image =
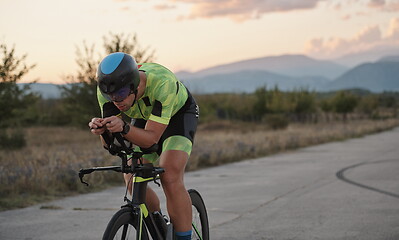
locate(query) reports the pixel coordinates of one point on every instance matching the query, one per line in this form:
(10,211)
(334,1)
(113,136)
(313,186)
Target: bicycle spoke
(198,233)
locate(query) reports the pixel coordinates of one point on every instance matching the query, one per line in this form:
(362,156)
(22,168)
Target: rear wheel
(200,226)
(122,226)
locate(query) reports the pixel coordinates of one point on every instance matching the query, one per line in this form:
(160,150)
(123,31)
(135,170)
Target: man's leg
(177,198)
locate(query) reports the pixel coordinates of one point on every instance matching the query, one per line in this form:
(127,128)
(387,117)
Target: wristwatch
(126,128)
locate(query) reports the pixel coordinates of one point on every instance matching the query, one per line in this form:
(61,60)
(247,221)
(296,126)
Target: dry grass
(225,142)
(48,167)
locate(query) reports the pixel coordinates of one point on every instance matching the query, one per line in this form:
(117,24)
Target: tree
(80,95)
(13,99)
(15,102)
(344,102)
(369,105)
(277,101)
(128,44)
(260,105)
(304,103)
(12,68)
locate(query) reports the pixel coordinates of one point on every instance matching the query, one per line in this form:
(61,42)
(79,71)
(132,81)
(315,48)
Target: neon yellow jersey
(163,97)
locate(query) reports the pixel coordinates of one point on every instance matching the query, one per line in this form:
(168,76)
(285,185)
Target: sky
(192,35)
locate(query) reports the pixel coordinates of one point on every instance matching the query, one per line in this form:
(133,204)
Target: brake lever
(82,173)
(81,179)
(156,182)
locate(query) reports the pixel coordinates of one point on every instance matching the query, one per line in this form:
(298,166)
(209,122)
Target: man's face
(122,98)
(126,103)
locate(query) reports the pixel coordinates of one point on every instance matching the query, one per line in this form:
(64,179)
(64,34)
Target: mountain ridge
(288,64)
(378,77)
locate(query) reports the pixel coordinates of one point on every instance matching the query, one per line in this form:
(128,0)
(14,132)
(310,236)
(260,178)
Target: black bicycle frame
(143,173)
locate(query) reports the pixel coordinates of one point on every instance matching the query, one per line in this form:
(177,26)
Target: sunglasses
(119,95)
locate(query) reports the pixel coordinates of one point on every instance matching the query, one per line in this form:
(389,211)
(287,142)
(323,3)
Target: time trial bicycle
(133,220)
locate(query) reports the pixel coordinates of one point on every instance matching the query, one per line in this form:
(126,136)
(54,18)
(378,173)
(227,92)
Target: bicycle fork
(140,213)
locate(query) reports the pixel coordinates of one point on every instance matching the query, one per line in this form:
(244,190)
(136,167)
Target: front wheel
(200,226)
(122,226)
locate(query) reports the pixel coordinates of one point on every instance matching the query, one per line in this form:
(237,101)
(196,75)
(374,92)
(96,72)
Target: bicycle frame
(140,182)
(143,174)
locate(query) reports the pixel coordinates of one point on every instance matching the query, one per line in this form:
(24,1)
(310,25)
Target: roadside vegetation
(44,142)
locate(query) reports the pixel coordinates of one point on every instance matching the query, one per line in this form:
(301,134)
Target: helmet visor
(119,95)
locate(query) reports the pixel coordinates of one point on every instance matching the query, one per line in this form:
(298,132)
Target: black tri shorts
(179,135)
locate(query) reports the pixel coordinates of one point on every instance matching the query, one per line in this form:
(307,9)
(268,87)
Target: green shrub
(276,121)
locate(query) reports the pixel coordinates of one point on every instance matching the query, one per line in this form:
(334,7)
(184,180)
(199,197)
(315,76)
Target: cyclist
(163,112)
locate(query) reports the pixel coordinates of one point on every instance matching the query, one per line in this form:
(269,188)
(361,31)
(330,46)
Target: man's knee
(170,180)
(174,162)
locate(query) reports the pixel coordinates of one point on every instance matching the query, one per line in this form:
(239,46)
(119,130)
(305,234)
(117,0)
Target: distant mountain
(248,81)
(46,90)
(372,55)
(295,71)
(289,65)
(389,59)
(376,77)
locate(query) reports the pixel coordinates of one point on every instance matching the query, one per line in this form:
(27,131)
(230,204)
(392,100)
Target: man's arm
(144,138)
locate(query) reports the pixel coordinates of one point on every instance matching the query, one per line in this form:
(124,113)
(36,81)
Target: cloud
(385,5)
(393,6)
(393,29)
(241,10)
(164,7)
(376,3)
(366,39)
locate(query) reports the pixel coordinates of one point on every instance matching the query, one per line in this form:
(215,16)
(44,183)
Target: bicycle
(133,220)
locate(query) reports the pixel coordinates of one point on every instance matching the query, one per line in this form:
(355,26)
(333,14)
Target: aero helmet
(118,76)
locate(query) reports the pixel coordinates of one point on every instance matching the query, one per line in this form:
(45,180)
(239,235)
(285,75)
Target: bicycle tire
(123,223)
(200,225)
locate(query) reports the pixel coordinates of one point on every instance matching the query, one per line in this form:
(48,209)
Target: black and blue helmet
(116,72)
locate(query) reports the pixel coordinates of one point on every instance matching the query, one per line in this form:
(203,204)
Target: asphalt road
(341,190)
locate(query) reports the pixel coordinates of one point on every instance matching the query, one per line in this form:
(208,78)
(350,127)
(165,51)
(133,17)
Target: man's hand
(96,126)
(114,124)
